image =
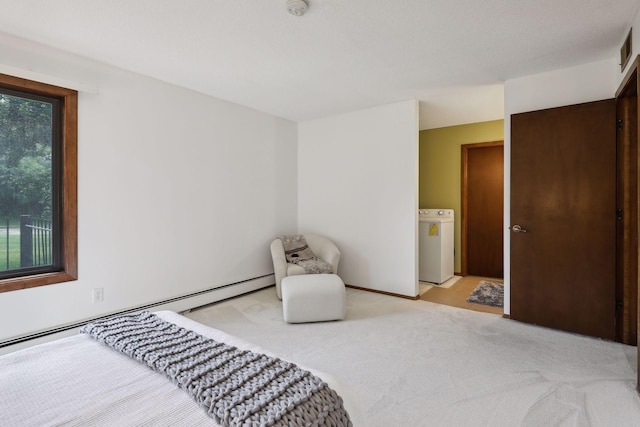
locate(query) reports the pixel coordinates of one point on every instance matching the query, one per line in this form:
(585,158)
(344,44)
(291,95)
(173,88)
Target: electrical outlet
(98,295)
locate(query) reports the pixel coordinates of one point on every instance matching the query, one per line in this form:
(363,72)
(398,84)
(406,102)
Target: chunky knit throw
(234,387)
(297,251)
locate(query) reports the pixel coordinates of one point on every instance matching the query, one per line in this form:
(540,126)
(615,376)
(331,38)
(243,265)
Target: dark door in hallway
(483,202)
(563,199)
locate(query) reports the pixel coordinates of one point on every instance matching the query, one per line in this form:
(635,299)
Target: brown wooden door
(627,220)
(563,194)
(627,206)
(482,205)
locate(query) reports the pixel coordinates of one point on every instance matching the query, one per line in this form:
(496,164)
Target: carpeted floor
(416,363)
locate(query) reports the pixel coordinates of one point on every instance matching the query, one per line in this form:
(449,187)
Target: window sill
(44,279)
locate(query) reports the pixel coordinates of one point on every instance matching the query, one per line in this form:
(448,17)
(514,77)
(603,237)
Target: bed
(80,381)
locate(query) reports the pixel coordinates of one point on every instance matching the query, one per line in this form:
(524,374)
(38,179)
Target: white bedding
(78,381)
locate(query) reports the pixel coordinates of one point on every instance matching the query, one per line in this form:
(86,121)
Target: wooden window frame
(69,122)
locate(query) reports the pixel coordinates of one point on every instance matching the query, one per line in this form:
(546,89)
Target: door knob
(517,229)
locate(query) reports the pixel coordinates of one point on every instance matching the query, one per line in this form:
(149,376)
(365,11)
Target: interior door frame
(464,155)
(627,273)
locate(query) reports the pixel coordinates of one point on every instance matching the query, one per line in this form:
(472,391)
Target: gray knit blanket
(297,251)
(234,387)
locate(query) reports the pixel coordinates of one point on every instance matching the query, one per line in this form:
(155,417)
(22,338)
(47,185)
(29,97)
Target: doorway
(440,186)
(482,197)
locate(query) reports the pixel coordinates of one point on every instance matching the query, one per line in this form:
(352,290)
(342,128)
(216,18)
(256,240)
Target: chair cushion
(294,269)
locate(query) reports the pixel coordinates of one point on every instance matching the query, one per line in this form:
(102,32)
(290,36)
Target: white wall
(178,192)
(585,83)
(456,105)
(358,185)
(575,85)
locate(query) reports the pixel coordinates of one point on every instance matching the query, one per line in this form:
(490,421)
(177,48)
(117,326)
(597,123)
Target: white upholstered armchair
(322,247)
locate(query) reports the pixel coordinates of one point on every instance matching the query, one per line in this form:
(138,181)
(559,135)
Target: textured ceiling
(343,55)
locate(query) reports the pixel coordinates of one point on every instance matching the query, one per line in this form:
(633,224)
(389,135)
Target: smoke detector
(297,7)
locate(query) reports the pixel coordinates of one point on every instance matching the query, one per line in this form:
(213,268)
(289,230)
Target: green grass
(14,250)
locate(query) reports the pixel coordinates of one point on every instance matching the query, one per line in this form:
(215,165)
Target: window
(38,175)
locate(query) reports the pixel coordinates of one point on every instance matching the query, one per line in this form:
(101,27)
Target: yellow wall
(440,167)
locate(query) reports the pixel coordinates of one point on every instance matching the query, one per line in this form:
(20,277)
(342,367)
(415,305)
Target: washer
(435,245)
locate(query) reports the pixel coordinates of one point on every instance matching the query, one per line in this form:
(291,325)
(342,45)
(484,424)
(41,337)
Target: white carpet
(416,363)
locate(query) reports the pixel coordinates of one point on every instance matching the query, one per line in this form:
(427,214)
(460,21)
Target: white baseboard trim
(178,304)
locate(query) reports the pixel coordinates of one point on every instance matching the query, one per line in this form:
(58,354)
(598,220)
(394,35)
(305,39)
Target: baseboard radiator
(178,304)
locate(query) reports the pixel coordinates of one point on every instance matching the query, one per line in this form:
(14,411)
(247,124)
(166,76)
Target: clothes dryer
(435,245)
